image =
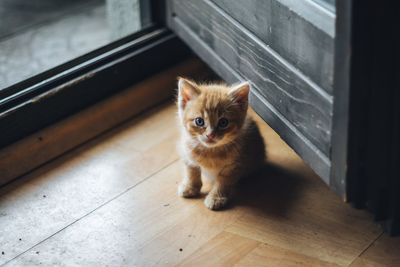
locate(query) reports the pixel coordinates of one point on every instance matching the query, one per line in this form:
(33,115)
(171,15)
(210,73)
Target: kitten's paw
(215,202)
(188,191)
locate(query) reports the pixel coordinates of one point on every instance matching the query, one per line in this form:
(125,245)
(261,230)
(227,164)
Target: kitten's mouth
(208,142)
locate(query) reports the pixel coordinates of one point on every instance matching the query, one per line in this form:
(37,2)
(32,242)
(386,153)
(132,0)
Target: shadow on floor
(272,191)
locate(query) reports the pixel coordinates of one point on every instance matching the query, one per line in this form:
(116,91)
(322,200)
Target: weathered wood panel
(299,31)
(298,99)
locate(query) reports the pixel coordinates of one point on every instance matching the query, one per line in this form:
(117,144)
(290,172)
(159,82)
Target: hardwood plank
(267,255)
(297,215)
(225,249)
(307,235)
(113,202)
(292,209)
(383,252)
(148,225)
(287,206)
(59,193)
(293,94)
(105,206)
(25,155)
(299,31)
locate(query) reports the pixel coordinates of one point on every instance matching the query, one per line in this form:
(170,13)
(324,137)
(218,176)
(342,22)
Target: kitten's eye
(223,123)
(199,122)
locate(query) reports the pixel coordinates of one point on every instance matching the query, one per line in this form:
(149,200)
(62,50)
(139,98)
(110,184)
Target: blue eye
(223,123)
(199,121)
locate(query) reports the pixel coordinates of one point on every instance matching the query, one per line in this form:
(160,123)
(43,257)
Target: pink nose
(210,136)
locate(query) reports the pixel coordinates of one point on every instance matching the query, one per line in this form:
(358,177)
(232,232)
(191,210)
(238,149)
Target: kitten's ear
(240,93)
(188,90)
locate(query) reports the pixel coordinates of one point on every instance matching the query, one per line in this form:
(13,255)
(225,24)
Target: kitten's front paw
(185,190)
(214,202)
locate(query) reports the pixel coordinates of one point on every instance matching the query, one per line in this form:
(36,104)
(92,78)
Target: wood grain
(271,256)
(149,225)
(298,31)
(383,252)
(225,249)
(50,198)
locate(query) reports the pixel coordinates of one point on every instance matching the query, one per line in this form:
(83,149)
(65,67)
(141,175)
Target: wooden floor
(113,202)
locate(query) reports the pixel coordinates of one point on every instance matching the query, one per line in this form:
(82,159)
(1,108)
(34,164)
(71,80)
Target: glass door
(57,57)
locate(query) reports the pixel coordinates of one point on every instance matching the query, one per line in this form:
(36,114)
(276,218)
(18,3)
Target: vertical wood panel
(299,31)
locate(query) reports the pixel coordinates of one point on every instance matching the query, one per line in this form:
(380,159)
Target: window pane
(37,35)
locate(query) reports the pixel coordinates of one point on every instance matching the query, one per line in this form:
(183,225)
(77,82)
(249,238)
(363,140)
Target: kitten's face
(212,114)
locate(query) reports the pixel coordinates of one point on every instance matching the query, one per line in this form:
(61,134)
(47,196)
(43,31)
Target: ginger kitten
(218,139)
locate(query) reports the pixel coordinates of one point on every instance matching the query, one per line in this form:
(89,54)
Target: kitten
(218,139)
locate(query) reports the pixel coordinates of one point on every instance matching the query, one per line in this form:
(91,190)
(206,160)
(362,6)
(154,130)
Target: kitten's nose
(210,136)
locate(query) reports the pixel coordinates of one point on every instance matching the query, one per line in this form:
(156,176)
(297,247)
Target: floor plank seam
(364,250)
(279,246)
(248,253)
(223,230)
(87,214)
(196,250)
